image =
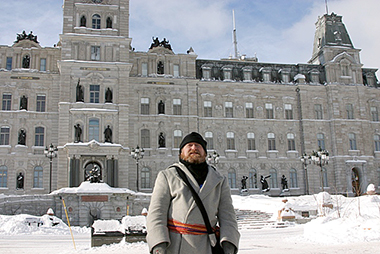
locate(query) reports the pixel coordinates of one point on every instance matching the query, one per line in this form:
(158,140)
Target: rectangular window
(230,141)
(269,110)
(7,100)
(145,138)
(293,179)
(145,178)
(229,109)
(377,143)
(207,108)
(352,138)
(9,63)
(249,110)
(43,64)
(38,177)
(4,136)
(350,111)
(177,107)
(177,138)
(176,70)
(374,114)
(252,179)
(145,106)
(93,130)
(318,111)
(94,93)
(232,179)
(288,112)
(321,140)
(251,145)
(144,69)
(39,136)
(206,73)
(3,176)
(210,140)
(40,104)
(95,53)
(271,142)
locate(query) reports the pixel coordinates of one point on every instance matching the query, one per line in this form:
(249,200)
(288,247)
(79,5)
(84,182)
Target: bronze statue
(79,92)
(78,133)
(108,135)
(24,102)
(22,137)
(161,140)
(161,107)
(20,181)
(108,95)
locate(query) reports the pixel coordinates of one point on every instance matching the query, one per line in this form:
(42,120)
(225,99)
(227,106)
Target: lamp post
(321,158)
(137,154)
(306,159)
(51,152)
(213,158)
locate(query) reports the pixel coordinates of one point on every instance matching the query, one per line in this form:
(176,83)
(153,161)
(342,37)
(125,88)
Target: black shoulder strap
(197,199)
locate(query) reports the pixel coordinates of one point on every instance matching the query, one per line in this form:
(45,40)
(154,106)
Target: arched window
(93,129)
(232,178)
(210,140)
(230,141)
(145,138)
(145,178)
(177,138)
(252,179)
(109,22)
(38,177)
(273,178)
(3,176)
(83,21)
(293,178)
(96,21)
(39,136)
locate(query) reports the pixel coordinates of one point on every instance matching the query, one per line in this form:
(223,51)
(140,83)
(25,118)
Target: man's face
(193,153)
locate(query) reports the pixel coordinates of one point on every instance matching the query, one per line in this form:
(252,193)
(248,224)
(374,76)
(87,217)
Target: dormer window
(206,72)
(96,21)
(227,73)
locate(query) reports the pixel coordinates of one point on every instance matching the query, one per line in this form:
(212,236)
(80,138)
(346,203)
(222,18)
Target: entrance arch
(355,180)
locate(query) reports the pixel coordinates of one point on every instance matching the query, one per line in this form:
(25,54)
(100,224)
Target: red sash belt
(188,229)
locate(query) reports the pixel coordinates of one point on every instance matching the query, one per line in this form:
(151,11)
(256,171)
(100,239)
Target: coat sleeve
(157,230)
(227,217)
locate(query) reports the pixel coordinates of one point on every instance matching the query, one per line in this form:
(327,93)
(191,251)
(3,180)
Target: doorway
(355,179)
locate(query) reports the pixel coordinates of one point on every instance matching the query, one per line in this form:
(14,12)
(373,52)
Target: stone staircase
(251,219)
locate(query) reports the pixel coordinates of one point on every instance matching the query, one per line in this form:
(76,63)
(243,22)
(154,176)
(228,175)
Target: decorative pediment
(343,56)
(161,51)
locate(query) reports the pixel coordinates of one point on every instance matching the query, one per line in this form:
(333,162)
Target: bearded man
(174,223)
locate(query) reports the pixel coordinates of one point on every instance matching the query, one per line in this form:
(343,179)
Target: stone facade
(259,117)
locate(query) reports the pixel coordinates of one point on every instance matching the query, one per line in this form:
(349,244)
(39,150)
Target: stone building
(96,98)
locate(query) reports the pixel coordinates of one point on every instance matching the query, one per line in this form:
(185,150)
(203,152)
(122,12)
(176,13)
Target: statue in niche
(160,67)
(22,137)
(24,102)
(244,182)
(26,62)
(161,107)
(108,95)
(20,181)
(108,134)
(79,92)
(78,133)
(161,140)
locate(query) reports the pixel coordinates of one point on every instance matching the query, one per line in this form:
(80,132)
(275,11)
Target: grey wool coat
(172,199)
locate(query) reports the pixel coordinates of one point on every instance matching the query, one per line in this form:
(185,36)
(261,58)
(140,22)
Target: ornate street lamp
(137,154)
(321,158)
(306,159)
(213,158)
(51,152)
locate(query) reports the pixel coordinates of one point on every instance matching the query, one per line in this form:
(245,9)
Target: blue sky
(277,31)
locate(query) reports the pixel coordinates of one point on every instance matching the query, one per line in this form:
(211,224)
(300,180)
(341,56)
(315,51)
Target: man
(173,214)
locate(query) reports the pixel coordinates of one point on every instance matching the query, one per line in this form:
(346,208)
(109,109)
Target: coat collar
(213,178)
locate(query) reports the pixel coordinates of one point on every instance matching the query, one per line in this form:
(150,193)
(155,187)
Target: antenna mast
(327,8)
(234,34)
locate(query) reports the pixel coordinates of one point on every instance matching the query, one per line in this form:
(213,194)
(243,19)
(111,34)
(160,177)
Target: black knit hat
(193,137)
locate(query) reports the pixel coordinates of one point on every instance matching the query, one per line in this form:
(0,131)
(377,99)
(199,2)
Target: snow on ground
(352,225)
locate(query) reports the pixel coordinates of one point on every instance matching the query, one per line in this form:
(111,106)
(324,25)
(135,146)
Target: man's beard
(194,158)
